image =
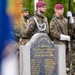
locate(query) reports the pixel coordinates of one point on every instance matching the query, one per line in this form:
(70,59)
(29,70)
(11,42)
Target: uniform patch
(31,26)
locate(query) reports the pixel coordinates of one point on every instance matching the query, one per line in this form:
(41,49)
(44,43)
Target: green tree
(50,6)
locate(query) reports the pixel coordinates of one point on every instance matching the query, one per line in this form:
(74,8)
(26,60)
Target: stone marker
(40,57)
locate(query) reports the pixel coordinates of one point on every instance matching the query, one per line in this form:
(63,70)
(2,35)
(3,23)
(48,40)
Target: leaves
(50,6)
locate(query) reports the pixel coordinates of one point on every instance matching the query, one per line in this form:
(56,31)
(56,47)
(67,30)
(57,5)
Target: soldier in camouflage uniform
(58,26)
(25,14)
(72,28)
(20,31)
(20,27)
(72,33)
(38,23)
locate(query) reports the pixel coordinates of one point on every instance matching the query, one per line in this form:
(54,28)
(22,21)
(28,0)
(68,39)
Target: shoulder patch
(31,26)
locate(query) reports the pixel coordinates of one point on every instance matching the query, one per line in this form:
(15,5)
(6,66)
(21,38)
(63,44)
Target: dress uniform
(58,26)
(72,33)
(20,28)
(25,14)
(38,23)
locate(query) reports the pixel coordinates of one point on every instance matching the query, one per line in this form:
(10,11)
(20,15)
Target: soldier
(58,25)
(25,14)
(38,23)
(72,33)
(20,27)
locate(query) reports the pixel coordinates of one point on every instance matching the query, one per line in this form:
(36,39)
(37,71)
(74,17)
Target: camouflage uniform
(20,28)
(72,30)
(72,33)
(41,19)
(55,30)
(26,20)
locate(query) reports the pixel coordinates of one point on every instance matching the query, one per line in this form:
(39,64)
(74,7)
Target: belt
(21,39)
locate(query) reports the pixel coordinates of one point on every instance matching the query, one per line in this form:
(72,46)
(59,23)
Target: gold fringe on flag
(13,7)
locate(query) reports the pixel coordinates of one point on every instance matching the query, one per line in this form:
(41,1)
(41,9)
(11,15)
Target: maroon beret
(59,6)
(40,3)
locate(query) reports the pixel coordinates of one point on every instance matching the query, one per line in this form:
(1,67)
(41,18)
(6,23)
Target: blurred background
(50,6)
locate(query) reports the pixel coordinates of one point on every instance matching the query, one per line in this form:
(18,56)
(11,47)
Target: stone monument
(41,57)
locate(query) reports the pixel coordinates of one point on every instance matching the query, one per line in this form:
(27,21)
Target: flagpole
(68,10)
(35,1)
(67,45)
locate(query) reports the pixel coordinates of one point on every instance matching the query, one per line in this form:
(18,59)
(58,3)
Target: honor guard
(59,28)
(58,25)
(38,23)
(25,14)
(72,33)
(20,27)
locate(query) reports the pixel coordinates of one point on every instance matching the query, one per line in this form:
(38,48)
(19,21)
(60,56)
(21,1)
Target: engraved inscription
(35,65)
(49,66)
(43,58)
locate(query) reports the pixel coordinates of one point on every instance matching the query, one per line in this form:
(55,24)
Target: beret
(40,3)
(59,6)
(24,9)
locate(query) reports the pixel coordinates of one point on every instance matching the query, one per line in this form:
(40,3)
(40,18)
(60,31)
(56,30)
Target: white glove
(71,20)
(64,37)
(69,14)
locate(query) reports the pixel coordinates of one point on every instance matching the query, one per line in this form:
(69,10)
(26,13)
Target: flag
(5,30)
(13,7)
(5,26)
(8,9)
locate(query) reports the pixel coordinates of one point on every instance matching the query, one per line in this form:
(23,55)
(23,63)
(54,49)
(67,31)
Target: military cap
(24,9)
(40,3)
(73,13)
(59,6)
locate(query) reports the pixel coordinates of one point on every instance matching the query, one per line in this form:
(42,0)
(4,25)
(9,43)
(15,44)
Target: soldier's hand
(69,14)
(64,37)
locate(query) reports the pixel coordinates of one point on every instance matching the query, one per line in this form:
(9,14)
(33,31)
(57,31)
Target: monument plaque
(41,57)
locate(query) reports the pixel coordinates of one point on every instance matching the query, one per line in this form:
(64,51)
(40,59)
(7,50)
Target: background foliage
(50,6)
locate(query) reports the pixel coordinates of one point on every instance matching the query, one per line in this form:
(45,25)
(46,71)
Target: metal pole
(69,44)
(35,1)
(68,17)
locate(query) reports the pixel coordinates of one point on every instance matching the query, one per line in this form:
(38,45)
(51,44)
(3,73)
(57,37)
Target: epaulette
(53,19)
(32,17)
(41,27)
